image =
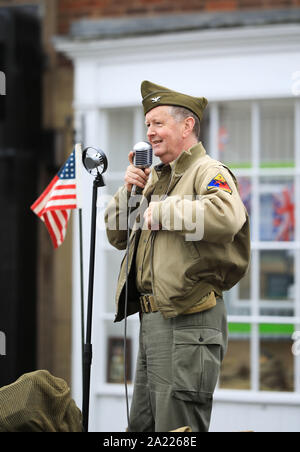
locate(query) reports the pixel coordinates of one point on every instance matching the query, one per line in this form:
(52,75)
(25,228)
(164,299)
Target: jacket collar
(187,159)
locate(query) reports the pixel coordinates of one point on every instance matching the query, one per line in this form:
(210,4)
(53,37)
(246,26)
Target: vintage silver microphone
(94,161)
(143,157)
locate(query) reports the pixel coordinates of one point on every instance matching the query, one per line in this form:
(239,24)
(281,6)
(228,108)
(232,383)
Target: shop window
(276,276)
(277,133)
(277,209)
(276,364)
(234,140)
(236,367)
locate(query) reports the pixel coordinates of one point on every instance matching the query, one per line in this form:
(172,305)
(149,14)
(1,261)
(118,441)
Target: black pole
(88,352)
(81,290)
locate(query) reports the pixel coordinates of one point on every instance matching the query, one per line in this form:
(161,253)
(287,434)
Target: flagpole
(78,151)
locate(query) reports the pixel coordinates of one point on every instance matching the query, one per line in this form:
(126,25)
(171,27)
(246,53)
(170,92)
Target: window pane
(276,358)
(238,299)
(120,138)
(245,287)
(277,209)
(235,303)
(115,351)
(277,282)
(277,133)
(115,364)
(245,189)
(235,134)
(204,130)
(235,372)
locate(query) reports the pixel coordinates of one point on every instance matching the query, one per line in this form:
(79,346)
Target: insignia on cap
(155,99)
(219,182)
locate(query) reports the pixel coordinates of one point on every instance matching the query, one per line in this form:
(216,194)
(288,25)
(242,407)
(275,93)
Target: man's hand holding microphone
(137,175)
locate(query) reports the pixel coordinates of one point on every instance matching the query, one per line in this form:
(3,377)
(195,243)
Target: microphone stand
(88,353)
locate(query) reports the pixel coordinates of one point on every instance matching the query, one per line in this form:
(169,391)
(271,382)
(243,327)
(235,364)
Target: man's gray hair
(181,113)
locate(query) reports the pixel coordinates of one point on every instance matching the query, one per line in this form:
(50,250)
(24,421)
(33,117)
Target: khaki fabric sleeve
(224,211)
(181,214)
(116,219)
(216,215)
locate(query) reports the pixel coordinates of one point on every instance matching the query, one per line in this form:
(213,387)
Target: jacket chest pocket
(197,361)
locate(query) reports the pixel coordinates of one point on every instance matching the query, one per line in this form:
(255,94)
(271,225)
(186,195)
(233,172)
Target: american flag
(54,205)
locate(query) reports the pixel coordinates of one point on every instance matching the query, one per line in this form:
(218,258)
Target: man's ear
(188,126)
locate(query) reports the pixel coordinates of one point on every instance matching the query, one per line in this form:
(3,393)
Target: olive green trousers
(177,370)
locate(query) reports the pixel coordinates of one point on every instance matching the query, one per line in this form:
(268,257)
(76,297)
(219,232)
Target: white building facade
(251,77)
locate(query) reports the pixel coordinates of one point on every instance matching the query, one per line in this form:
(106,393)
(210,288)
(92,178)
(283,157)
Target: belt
(148,304)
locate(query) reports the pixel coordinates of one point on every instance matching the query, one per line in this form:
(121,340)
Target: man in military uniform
(193,245)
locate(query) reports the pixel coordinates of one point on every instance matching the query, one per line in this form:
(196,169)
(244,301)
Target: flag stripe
(63,217)
(55,227)
(39,209)
(67,213)
(39,205)
(53,206)
(61,223)
(65,187)
(58,224)
(45,193)
(46,217)
(58,198)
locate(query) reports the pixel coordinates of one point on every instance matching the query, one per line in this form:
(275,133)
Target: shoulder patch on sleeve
(219,182)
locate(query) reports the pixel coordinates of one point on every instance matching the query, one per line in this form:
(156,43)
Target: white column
(255,265)
(214,131)
(297,237)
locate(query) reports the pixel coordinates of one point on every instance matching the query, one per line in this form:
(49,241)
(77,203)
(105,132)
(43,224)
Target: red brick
(221,5)
(264,4)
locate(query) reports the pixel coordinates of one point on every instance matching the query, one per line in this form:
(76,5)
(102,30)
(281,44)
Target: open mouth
(156,142)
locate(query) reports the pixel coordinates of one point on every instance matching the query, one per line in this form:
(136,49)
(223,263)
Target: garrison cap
(155,95)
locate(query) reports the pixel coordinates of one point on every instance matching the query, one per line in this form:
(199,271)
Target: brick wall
(71,10)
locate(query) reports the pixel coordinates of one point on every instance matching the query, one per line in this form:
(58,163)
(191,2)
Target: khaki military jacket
(203,243)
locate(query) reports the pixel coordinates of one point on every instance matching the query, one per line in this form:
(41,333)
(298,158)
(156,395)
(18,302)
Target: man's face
(164,134)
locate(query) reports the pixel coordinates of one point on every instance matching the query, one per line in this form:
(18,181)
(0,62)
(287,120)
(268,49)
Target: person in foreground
(189,243)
